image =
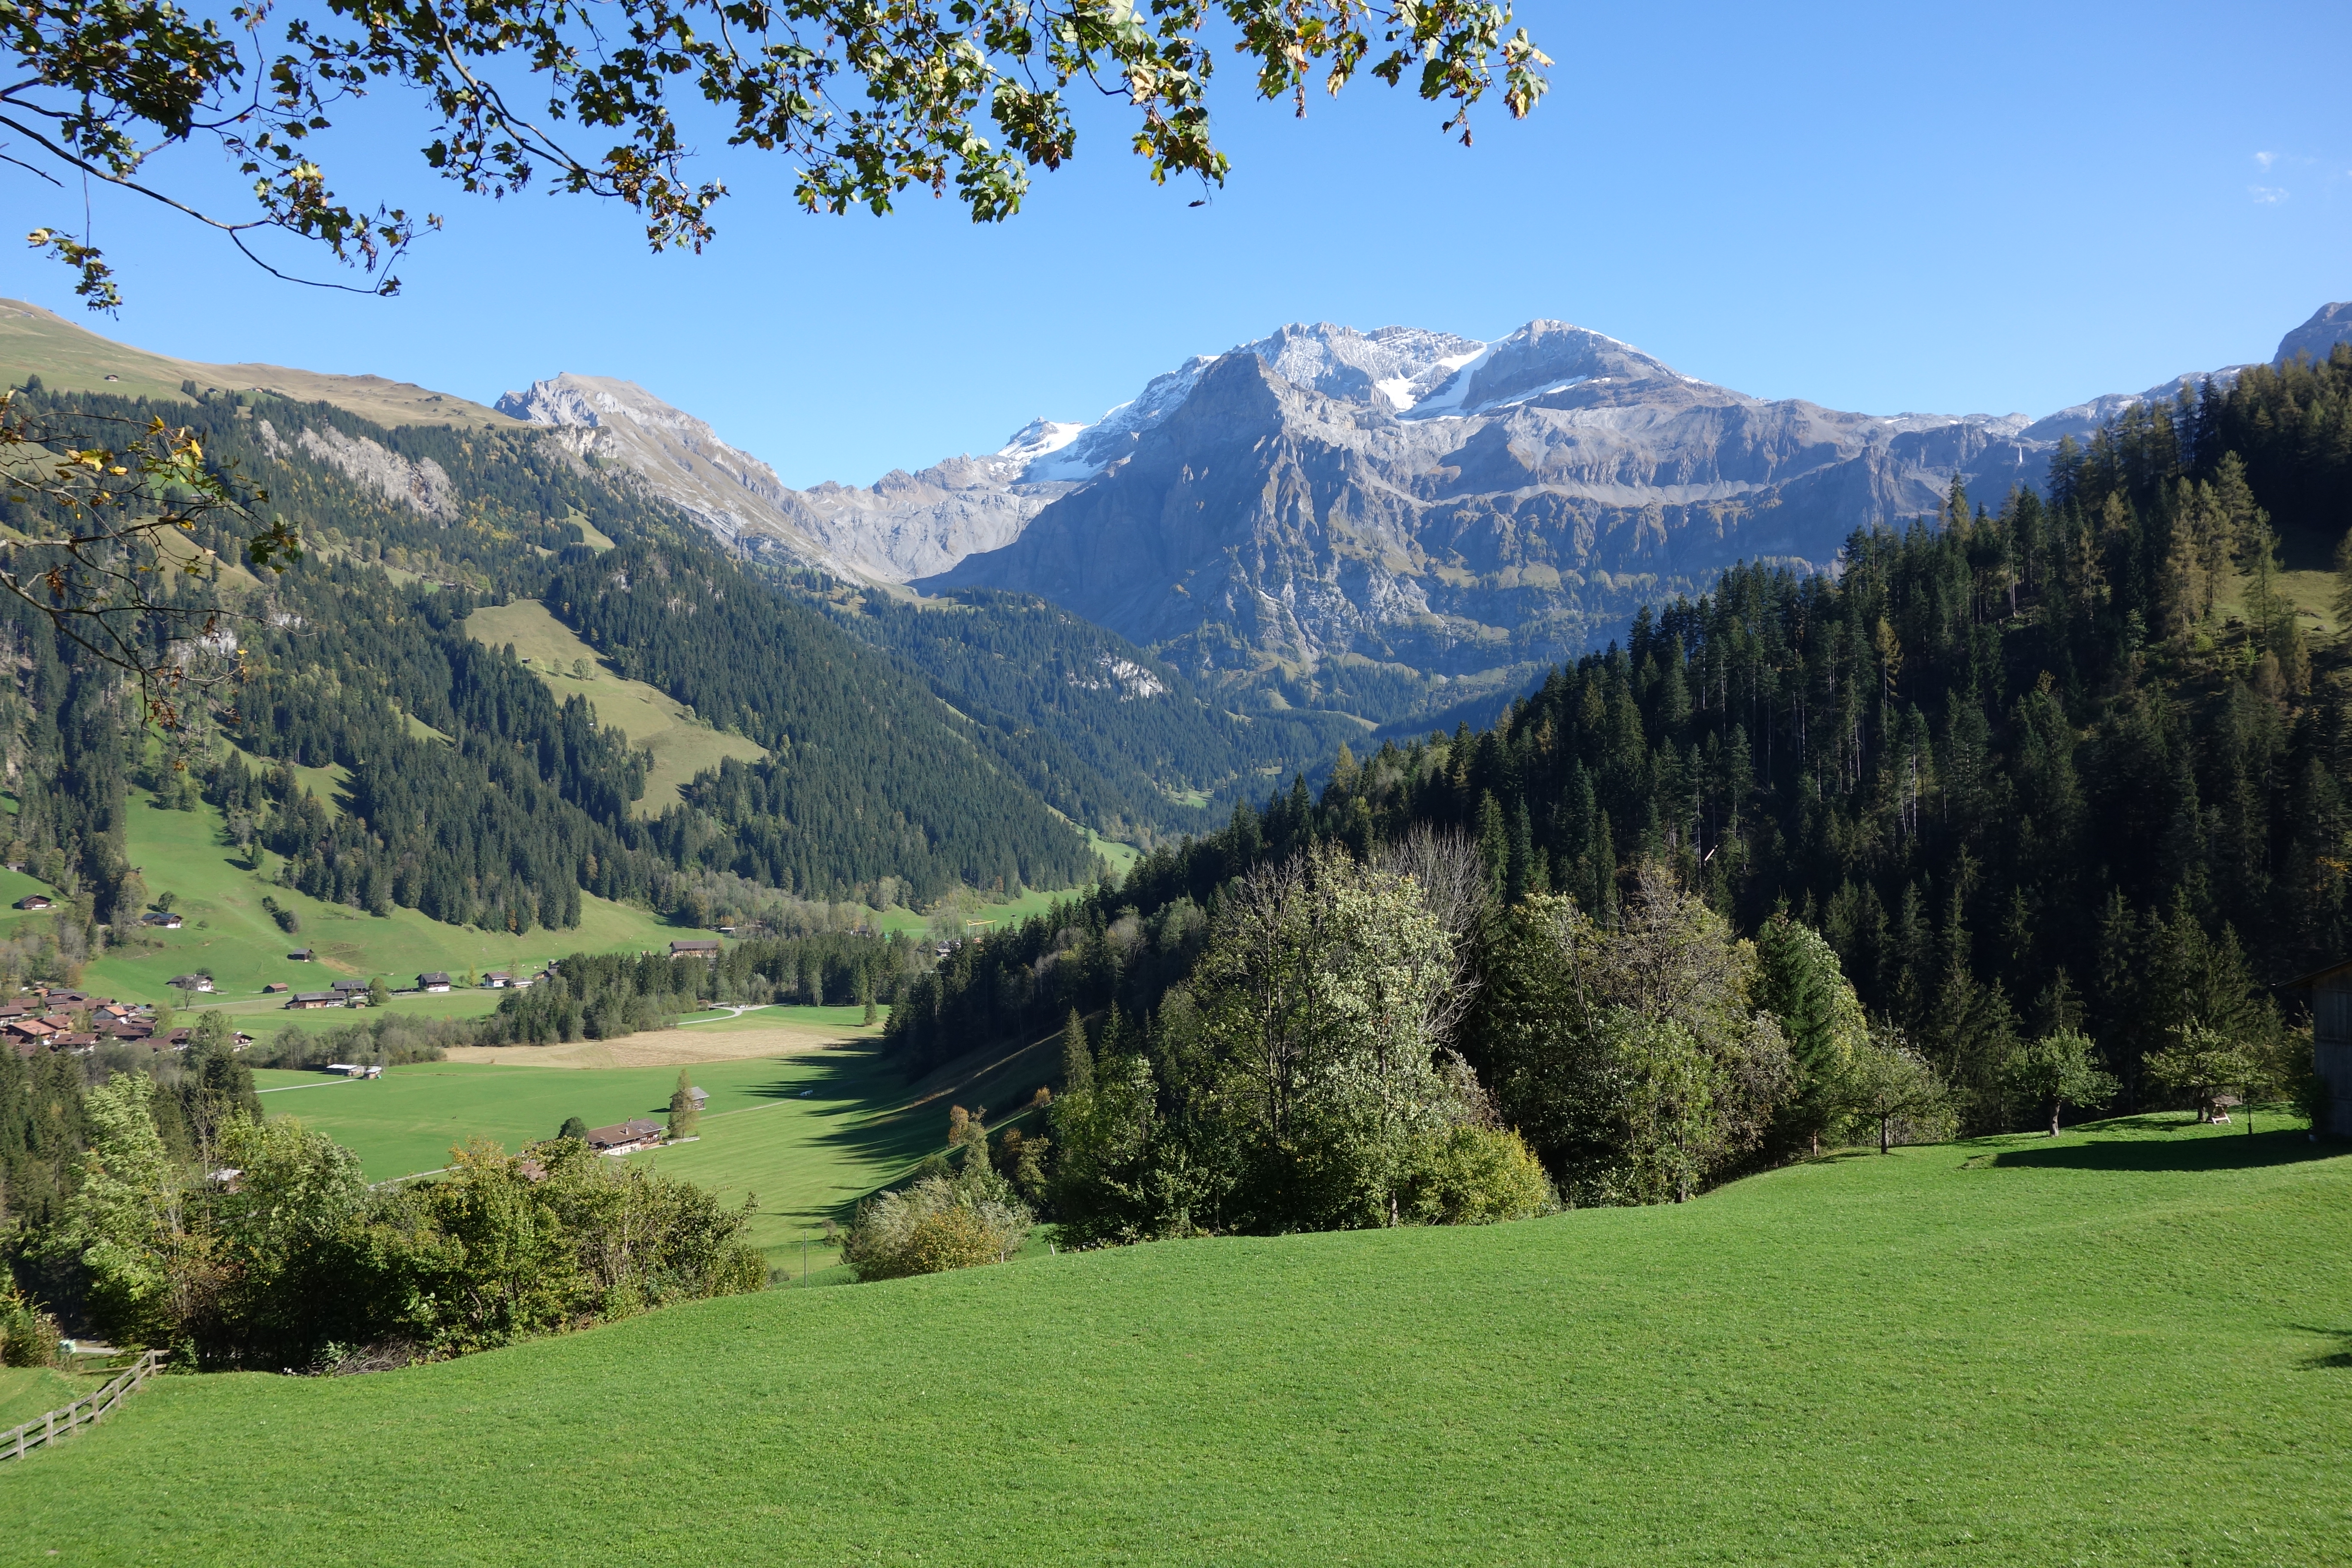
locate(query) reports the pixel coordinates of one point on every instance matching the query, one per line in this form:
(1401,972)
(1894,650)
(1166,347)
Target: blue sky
(1885,208)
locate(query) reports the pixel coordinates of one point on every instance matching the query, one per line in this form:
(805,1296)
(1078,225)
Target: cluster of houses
(55,1019)
(433,983)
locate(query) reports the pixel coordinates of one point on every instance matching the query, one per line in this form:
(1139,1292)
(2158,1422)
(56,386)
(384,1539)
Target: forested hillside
(2075,765)
(1104,732)
(868,777)
(473,794)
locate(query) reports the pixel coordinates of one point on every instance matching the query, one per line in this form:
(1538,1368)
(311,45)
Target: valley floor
(2126,1345)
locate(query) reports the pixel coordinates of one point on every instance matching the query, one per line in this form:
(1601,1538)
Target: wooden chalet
(626,1137)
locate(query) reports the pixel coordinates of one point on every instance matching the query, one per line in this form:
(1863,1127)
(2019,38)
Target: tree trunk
(1883,1123)
(2053,1119)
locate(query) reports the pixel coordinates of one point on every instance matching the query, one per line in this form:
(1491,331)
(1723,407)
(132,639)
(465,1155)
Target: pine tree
(1077,1058)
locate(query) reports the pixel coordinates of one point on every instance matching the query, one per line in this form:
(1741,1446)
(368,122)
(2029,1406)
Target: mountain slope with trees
(2021,815)
(473,794)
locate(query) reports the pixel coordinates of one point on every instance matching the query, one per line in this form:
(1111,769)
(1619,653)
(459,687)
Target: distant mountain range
(1385,522)
(1338,526)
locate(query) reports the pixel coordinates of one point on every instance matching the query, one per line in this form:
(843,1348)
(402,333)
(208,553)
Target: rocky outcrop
(1518,502)
(679,456)
(2330,325)
(419,483)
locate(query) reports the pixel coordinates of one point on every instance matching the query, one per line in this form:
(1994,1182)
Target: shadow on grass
(2339,1359)
(866,1111)
(2179,1151)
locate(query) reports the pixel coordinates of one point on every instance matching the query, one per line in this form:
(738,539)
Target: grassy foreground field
(2127,1345)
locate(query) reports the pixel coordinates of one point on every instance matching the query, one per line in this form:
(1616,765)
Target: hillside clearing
(2125,1346)
(682,745)
(228,931)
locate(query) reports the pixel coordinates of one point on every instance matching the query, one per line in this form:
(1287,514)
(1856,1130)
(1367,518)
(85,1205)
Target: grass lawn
(265,1015)
(184,852)
(408,1120)
(2129,1345)
(29,1392)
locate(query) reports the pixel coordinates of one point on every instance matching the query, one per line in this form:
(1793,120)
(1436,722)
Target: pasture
(807,1122)
(2128,1345)
(187,853)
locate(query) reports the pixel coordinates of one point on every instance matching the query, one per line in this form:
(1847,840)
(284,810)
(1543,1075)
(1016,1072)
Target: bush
(1478,1175)
(938,1223)
(28,1336)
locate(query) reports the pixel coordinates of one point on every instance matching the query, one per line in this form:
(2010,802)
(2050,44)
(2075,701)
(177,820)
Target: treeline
(600,996)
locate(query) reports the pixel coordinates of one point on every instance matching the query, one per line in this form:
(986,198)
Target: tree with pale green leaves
(2201,1063)
(2057,1070)
(130,1221)
(1890,1085)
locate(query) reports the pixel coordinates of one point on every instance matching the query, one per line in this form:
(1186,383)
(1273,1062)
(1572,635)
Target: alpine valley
(1390,525)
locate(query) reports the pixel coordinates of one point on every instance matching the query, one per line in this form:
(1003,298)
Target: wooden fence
(87,1410)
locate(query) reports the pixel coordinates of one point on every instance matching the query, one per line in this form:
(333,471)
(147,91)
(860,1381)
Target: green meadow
(682,745)
(2127,1345)
(804,1135)
(228,931)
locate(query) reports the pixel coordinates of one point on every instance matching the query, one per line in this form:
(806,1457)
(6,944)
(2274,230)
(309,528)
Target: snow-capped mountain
(1325,506)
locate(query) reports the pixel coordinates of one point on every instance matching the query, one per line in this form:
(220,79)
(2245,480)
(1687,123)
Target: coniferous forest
(2065,764)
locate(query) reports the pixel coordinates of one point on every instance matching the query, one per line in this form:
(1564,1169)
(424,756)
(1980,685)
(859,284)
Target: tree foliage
(864,103)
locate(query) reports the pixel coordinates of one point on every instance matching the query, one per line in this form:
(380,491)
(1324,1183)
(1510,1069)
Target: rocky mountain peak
(2330,325)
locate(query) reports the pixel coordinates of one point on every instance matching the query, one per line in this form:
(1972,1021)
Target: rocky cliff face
(1449,518)
(1381,521)
(679,456)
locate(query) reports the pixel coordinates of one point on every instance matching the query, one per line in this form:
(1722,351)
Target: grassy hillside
(34,341)
(682,745)
(29,1392)
(185,852)
(2127,1345)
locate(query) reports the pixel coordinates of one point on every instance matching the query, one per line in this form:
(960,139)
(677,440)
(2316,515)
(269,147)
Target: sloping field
(2126,1346)
(682,745)
(68,358)
(228,931)
(808,1128)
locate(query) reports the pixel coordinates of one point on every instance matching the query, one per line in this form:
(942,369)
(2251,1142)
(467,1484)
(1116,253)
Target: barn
(2330,990)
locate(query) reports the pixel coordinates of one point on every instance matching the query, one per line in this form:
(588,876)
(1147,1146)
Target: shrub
(938,1223)
(1478,1175)
(28,1336)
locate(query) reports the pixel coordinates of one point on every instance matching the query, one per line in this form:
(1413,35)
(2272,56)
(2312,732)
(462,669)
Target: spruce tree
(1077,1058)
